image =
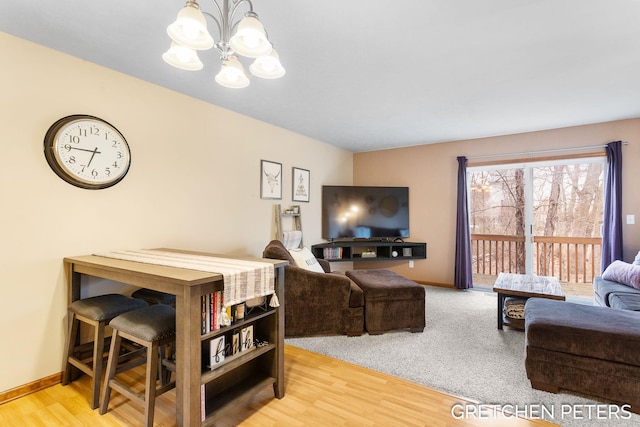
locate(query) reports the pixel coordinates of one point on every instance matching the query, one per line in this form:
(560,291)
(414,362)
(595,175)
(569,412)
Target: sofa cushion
(583,330)
(625,301)
(356,297)
(386,285)
(622,272)
(276,250)
(605,288)
(305,259)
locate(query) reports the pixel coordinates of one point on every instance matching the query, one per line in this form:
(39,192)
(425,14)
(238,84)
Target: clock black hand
(95,150)
(93,153)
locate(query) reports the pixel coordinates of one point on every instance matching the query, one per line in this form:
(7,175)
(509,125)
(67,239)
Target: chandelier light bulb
(182,57)
(190,28)
(232,74)
(268,66)
(189,34)
(250,39)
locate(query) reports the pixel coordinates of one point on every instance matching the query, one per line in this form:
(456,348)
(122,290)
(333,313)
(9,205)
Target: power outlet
(411,263)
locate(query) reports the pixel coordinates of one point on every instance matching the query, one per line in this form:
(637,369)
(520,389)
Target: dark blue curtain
(463,277)
(612,224)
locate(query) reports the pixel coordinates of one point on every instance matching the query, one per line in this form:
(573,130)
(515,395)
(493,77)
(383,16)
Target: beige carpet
(461,352)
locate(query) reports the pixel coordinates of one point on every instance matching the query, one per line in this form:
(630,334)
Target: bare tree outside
(567,220)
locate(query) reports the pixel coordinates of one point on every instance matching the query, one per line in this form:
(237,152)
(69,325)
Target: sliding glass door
(539,218)
(497,220)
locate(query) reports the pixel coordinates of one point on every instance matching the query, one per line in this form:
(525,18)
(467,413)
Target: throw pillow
(637,260)
(622,272)
(305,259)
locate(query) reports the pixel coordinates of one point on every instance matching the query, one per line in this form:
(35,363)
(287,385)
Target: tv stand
(369,250)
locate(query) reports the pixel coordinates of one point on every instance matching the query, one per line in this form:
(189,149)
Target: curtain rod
(555,150)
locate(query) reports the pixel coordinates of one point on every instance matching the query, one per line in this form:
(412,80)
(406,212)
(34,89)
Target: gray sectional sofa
(616,295)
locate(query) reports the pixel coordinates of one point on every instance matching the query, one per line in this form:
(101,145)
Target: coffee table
(524,286)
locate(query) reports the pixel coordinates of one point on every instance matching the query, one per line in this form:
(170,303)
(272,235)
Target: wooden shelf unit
(356,250)
(231,384)
(295,219)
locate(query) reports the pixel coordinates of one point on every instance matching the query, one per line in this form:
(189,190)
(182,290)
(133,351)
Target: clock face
(87,152)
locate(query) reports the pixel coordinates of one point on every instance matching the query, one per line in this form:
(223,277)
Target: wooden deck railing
(570,259)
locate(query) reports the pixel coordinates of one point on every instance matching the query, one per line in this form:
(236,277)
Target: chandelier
(189,34)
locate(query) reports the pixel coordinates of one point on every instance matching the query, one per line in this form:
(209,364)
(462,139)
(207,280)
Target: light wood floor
(320,391)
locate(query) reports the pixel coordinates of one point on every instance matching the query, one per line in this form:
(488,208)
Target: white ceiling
(374,74)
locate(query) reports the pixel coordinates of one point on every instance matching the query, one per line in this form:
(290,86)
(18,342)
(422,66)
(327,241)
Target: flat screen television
(360,212)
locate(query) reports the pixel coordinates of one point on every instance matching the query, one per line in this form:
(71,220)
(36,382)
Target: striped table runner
(243,279)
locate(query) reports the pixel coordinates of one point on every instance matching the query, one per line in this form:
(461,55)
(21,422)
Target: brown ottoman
(390,301)
(583,348)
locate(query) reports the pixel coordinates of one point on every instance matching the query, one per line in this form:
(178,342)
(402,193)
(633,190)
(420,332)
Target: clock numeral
(93,130)
(94,173)
(115,143)
(107,171)
(74,139)
(72,159)
(67,147)
(115,165)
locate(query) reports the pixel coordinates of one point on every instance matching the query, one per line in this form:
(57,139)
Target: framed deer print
(300,190)
(270,180)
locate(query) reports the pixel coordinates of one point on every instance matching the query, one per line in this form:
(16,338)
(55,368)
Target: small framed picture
(300,190)
(270,180)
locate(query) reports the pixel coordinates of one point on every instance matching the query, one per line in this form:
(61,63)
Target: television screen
(358,212)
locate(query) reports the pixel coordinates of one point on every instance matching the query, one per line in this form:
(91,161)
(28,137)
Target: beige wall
(193,184)
(431,173)
(205,197)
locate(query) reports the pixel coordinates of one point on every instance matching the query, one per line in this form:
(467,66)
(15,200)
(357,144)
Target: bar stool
(95,311)
(155,297)
(152,328)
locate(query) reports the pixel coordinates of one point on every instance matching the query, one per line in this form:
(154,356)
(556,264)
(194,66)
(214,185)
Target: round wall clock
(87,152)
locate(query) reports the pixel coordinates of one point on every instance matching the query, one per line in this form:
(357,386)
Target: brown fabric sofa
(318,303)
(583,348)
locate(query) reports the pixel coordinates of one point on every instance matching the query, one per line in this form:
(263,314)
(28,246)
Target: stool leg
(98,363)
(161,370)
(114,352)
(150,387)
(72,337)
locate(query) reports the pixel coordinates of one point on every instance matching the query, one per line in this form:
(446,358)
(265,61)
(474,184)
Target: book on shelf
(332,253)
(211,305)
(203,402)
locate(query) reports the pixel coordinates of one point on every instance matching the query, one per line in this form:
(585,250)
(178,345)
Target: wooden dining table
(188,286)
